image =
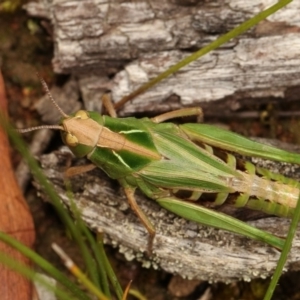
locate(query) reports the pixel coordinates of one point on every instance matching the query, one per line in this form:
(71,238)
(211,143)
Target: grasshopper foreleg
(73,171)
(184,112)
(143,218)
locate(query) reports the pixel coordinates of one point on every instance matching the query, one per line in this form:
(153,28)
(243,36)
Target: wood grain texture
(118,45)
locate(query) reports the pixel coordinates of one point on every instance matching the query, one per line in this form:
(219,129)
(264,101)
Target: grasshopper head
(80,133)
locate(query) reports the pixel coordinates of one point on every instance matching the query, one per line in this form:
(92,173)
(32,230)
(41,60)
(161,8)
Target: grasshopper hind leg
(143,218)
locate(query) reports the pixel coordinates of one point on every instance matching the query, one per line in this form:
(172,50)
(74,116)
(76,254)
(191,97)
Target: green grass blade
(79,229)
(285,252)
(215,219)
(137,294)
(212,46)
(110,272)
(80,275)
(104,268)
(99,258)
(31,275)
(97,254)
(44,264)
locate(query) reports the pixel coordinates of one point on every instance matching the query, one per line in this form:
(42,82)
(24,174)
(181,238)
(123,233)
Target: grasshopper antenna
(55,127)
(45,86)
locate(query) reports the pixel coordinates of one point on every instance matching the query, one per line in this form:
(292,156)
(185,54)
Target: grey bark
(133,41)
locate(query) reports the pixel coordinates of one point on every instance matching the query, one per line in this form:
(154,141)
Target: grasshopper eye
(71,140)
(82,114)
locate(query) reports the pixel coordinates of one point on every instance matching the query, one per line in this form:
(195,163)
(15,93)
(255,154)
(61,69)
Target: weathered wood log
(180,246)
(132,41)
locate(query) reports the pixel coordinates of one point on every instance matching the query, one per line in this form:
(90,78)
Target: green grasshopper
(179,165)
